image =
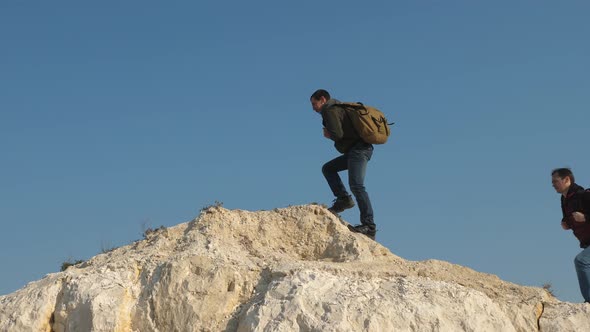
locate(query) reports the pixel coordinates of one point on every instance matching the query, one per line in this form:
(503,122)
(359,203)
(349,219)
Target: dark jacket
(577,200)
(338,123)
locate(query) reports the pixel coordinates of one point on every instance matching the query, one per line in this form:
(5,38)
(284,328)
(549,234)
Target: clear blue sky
(118,114)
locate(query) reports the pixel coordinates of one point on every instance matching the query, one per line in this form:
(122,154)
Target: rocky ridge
(292,269)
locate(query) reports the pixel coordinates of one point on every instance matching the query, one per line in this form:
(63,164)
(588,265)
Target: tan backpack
(369,122)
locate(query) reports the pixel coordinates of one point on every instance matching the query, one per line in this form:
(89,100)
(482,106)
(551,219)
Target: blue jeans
(355,161)
(582,263)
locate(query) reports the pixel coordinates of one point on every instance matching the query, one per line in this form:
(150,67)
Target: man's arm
(564,224)
(332,124)
(584,215)
(586,205)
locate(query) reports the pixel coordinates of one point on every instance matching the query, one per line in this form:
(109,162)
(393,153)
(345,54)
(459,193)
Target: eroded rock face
(565,317)
(313,300)
(291,269)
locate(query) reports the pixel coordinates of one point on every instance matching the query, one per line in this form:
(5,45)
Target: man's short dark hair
(319,94)
(563,173)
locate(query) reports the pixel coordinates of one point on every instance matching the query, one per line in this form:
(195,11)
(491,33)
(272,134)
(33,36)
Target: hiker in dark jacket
(575,207)
(355,156)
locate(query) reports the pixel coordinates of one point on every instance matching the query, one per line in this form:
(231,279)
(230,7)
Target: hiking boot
(368,230)
(341,203)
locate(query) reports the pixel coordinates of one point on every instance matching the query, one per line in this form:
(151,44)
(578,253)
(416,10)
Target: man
(575,206)
(355,156)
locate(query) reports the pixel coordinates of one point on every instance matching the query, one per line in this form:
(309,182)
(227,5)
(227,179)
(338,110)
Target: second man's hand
(579,217)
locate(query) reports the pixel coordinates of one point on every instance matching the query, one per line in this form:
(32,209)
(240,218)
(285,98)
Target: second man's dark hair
(564,172)
(319,94)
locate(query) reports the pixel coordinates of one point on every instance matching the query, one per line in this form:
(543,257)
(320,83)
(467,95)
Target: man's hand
(564,225)
(326,133)
(579,217)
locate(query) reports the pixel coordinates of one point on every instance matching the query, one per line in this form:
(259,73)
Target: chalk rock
(561,316)
(292,269)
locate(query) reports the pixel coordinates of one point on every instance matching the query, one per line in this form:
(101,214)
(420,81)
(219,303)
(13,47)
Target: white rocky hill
(292,269)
